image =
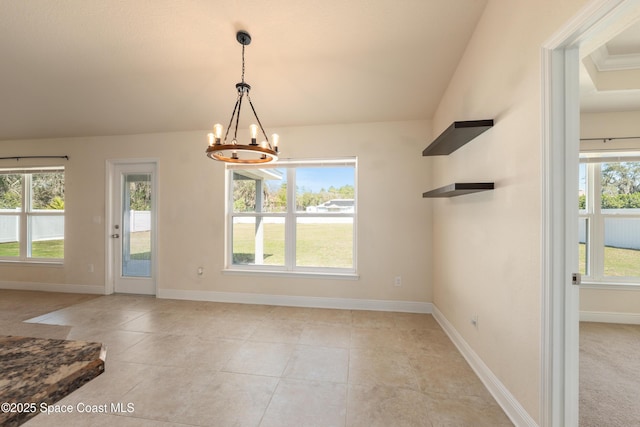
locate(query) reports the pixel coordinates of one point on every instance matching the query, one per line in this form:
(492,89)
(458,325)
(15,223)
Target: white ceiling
(94,67)
(610,75)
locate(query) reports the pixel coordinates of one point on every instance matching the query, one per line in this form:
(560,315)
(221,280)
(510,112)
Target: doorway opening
(561,134)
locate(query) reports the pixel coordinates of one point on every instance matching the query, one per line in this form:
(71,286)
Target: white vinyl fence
(139,221)
(51,227)
(618,232)
(43,227)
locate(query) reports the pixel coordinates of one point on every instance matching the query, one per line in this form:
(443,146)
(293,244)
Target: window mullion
(25,229)
(290,221)
(229,212)
(597,231)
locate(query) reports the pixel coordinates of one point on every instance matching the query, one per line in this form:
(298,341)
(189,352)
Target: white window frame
(290,217)
(27,212)
(595,217)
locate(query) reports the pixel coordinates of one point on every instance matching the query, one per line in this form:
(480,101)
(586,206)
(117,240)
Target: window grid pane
(258,241)
(47,191)
(47,236)
(9,235)
(324,242)
(620,186)
(10,192)
(622,247)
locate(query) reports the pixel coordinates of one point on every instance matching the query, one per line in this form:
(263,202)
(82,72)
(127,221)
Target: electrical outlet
(90,268)
(397,281)
(200,271)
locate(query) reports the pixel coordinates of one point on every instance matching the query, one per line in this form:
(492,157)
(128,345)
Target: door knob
(115,236)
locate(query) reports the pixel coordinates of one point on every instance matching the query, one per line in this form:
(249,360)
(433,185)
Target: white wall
(394,235)
(616,304)
(487,245)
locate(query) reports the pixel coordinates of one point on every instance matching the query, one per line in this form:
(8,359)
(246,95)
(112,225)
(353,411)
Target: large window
(609,203)
(32,214)
(293,216)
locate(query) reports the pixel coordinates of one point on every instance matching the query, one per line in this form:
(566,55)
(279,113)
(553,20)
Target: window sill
(301,274)
(54,264)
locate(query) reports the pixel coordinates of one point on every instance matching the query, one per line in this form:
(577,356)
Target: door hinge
(576,279)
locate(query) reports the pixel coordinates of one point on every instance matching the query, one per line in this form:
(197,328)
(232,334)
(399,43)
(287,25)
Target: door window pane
(136,225)
(324,242)
(622,247)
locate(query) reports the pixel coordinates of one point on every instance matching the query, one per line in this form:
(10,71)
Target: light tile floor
(213,364)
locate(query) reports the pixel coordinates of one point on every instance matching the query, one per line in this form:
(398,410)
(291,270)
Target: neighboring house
(334,206)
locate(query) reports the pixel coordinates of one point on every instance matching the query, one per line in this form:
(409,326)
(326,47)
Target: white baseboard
(514,410)
(53,287)
(604,317)
(297,301)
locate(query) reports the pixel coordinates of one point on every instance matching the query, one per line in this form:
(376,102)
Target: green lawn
(327,245)
(140,245)
(42,249)
(54,249)
(318,245)
(617,262)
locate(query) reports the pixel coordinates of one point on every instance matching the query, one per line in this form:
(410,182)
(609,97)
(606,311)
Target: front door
(134,227)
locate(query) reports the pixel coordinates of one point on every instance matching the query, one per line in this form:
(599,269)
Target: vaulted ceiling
(94,67)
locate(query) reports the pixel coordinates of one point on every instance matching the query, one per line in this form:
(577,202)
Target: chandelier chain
(258,119)
(243,63)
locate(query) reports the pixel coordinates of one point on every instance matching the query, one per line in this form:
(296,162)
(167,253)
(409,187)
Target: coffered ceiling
(610,75)
(94,67)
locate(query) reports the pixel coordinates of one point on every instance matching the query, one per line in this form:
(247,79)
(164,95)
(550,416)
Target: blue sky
(316,179)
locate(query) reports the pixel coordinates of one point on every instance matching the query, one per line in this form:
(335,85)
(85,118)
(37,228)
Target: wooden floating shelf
(455,136)
(458,189)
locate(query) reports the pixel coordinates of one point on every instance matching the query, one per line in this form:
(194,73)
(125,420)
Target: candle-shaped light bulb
(275,138)
(211,139)
(217,132)
(264,144)
(254,133)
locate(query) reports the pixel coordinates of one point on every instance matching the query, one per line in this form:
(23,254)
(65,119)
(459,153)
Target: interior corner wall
(619,304)
(487,261)
(393,228)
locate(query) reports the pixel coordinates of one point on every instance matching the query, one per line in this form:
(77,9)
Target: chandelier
(232,151)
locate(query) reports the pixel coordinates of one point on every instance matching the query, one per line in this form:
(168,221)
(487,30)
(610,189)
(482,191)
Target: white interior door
(133,227)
